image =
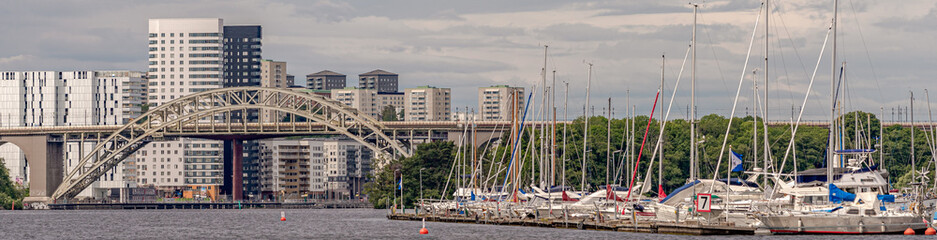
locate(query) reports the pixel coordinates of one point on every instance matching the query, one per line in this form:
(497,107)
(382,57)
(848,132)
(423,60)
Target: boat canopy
(838,195)
(738,182)
(854,151)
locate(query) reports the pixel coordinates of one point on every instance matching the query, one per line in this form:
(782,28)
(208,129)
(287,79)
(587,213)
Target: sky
(887,47)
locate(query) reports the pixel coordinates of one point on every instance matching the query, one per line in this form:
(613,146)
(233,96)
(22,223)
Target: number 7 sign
(703,202)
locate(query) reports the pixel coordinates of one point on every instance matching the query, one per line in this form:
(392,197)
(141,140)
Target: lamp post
(421,187)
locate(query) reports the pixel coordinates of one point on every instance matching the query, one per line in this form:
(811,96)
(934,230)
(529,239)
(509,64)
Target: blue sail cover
(838,195)
(678,190)
(848,151)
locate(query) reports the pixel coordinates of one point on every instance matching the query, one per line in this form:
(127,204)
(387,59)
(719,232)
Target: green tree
(11,194)
(434,158)
(389,113)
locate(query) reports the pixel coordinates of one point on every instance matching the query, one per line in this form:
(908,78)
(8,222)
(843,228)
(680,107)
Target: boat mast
(930,118)
(630,125)
(565,126)
(693,102)
(543,104)
(881,141)
(608,145)
(830,148)
(764,169)
(660,164)
(553,129)
(755,123)
(585,132)
(913,166)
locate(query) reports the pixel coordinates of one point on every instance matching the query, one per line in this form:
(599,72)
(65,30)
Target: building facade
(367,101)
(273,75)
(379,80)
(325,80)
(242,55)
(186,56)
(494,103)
(317,168)
(428,103)
(76,98)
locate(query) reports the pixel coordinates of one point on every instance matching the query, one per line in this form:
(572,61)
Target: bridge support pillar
(233,169)
(46,165)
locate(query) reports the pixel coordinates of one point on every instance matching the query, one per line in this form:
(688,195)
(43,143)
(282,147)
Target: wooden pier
(690,228)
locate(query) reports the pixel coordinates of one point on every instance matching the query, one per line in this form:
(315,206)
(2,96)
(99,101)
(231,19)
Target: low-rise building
(494,103)
(325,80)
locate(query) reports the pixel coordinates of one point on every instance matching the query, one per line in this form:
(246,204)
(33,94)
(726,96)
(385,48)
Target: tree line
(810,145)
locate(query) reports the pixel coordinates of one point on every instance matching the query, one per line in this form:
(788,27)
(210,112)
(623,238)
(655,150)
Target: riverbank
(209,205)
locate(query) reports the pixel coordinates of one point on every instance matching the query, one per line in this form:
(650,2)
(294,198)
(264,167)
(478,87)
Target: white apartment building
(333,168)
(185,57)
(428,103)
(368,101)
(494,103)
(77,98)
(292,168)
(273,75)
(347,164)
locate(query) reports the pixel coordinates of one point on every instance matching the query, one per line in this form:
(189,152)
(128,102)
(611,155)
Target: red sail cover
(660,193)
(566,198)
(610,194)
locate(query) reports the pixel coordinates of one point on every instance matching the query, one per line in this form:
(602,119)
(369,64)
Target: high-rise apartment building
(186,56)
(325,80)
(495,104)
(76,98)
(428,103)
(242,55)
(379,80)
(367,101)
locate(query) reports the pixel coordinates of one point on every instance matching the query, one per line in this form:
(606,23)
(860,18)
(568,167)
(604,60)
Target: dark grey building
(325,80)
(242,52)
(242,56)
(380,80)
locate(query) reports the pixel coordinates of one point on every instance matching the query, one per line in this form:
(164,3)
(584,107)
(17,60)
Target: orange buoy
(930,231)
(909,231)
(282,216)
(424,231)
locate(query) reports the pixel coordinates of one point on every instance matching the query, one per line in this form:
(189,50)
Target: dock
(689,228)
(207,205)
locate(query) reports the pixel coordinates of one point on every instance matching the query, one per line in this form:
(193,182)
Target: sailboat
(849,196)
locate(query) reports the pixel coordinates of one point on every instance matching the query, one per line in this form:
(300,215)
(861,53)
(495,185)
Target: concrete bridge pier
(45,159)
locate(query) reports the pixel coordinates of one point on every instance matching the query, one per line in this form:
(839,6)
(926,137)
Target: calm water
(300,224)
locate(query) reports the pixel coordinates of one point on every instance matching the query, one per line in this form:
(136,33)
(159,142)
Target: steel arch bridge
(208,115)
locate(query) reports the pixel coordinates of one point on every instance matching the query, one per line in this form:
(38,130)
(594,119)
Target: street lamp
(421,187)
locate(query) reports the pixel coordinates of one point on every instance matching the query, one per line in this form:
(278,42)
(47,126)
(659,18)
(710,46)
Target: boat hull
(842,224)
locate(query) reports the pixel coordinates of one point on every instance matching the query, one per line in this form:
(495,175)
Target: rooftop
(325,73)
(377,72)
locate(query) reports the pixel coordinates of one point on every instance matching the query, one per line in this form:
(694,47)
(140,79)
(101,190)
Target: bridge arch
(198,115)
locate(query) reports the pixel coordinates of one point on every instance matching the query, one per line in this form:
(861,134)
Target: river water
(299,224)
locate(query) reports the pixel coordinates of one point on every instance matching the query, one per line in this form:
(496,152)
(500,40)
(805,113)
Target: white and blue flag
(736,162)
(400,184)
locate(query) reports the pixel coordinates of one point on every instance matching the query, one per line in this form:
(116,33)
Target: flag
(400,184)
(473,195)
(736,162)
(660,192)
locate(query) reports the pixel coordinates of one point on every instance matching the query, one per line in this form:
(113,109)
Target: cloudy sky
(888,46)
